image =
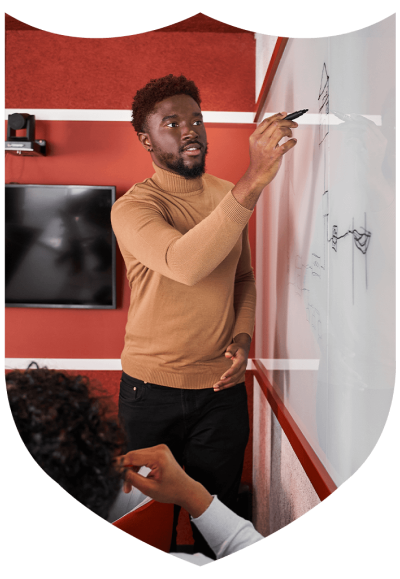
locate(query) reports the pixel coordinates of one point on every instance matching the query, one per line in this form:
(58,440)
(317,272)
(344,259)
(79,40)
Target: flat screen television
(60,247)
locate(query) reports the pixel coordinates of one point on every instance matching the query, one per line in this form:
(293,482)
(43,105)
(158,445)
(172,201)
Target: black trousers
(206,431)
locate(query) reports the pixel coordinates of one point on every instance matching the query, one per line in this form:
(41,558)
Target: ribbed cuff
(234,210)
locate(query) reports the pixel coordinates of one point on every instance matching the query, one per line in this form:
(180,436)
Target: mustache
(188,145)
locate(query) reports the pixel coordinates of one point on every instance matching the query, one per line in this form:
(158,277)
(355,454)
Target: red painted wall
(45,71)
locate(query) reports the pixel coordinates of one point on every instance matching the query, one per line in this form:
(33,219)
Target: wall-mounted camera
(23,145)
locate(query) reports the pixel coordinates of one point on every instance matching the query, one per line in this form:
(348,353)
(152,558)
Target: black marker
(295,115)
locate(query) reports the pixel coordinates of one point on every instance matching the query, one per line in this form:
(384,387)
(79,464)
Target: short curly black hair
(156,91)
(70,433)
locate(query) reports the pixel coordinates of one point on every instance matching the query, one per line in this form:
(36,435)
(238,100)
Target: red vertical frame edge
(269,77)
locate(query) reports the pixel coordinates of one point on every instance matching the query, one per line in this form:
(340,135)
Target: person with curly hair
(183,234)
(67,427)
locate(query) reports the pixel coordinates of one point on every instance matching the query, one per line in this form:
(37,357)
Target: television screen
(60,247)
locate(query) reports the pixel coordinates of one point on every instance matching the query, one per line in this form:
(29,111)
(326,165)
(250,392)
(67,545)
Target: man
(183,236)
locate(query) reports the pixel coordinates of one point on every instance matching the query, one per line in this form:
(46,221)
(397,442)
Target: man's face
(177,136)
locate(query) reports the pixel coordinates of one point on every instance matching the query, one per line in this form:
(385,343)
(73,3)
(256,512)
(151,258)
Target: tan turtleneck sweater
(187,255)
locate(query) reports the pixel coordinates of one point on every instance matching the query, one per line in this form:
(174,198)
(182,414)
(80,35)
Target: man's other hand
(238,352)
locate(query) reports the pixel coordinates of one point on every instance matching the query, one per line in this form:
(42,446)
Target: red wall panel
(45,70)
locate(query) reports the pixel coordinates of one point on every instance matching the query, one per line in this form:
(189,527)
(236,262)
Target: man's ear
(144,138)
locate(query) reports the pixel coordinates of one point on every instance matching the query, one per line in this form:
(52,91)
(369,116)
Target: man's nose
(188,132)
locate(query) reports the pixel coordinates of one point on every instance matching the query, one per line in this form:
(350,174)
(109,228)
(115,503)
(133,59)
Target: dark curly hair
(156,91)
(70,433)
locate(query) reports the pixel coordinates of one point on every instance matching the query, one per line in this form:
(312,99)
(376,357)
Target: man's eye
(198,122)
(172,124)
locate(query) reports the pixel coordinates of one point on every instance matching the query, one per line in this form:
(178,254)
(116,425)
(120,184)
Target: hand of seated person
(166,482)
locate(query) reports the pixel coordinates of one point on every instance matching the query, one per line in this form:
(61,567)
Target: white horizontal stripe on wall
(330,119)
(115,364)
(65,363)
(289,364)
(209,116)
(124,115)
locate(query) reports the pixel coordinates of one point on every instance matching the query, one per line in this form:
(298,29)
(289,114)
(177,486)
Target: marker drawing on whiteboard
(323,98)
(361,240)
(316,267)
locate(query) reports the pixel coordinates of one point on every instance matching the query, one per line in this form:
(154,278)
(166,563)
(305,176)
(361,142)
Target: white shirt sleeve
(224,531)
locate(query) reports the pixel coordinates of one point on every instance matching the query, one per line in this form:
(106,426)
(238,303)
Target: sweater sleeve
(143,232)
(245,291)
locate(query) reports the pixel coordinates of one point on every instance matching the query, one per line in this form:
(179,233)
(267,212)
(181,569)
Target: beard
(177,165)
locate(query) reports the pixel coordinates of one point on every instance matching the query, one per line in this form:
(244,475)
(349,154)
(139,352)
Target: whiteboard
(325,264)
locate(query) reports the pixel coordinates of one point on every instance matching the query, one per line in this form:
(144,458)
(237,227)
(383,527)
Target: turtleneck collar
(176,184)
